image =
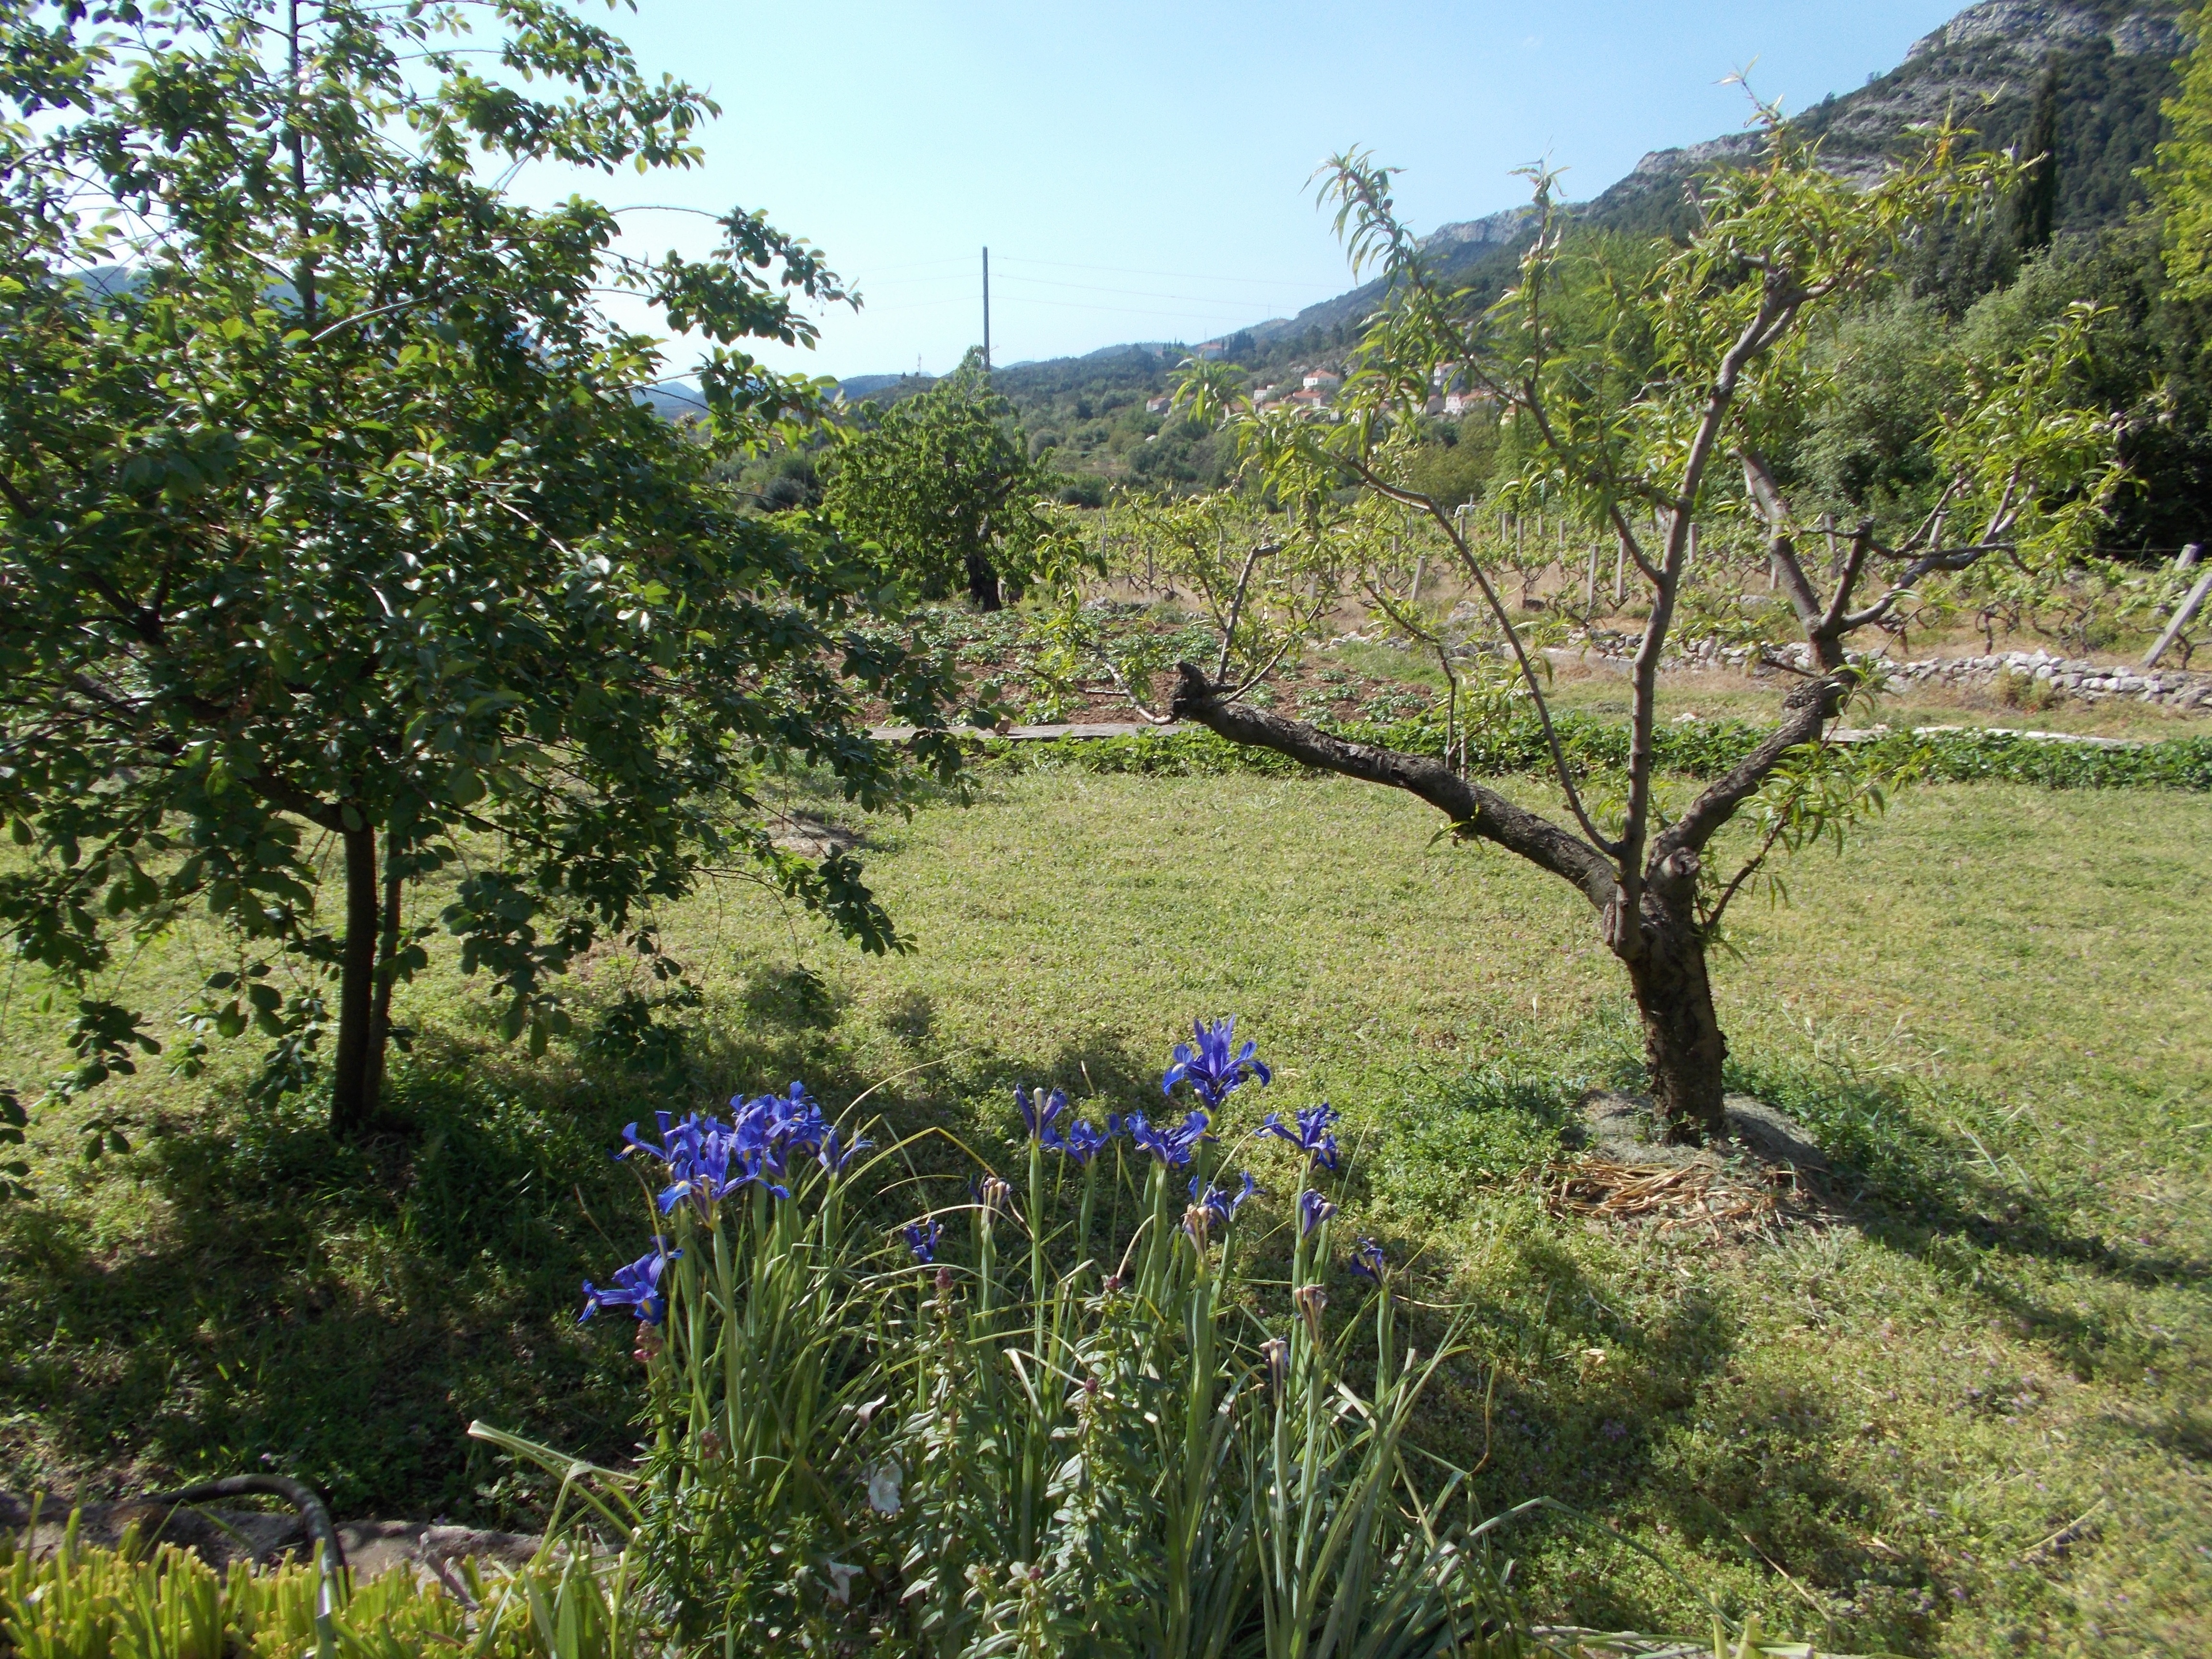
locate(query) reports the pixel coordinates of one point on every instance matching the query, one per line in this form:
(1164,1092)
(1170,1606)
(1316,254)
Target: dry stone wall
(2090,682)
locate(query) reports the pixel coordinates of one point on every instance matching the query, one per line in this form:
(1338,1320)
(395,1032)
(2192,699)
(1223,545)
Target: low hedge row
(1701,749)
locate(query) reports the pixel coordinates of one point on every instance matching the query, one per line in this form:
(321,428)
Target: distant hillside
(2114,63)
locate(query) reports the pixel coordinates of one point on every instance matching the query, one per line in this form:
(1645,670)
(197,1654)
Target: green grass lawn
(1968,1417)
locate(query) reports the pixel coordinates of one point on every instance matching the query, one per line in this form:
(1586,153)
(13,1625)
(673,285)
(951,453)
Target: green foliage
(1863,447)
(1888,379)
(2181,182)
(84,1602)
(942,484)
(1456,472)
(1694,749)
(390,550)
(12,1121)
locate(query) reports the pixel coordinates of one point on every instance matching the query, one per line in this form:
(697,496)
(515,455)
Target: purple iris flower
(834,1155)
(637,1286)
(1082,1142)
(775,1126)
(1311,1136)
(1039,1109)
(714,1165)
(708,1160)
(921,1238)
(1212,1066)
(1369,1260)
(1313,1210)
(1172,1145)
(1220,1207)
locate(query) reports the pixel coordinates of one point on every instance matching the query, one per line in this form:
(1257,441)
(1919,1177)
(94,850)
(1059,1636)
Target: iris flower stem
(1083,1221)
(1312,1509)
(732,1385)
(1040,1418)
(1198,1416)
(694,1333)
(1159,1247)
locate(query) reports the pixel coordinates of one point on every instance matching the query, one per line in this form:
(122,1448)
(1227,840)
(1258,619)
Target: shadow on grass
(1940,1197)
(339,1312)
(244,1293)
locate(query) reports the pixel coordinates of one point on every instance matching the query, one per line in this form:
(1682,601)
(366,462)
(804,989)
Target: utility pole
(986,310)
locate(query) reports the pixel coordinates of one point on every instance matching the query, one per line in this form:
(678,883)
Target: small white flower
(884,1490)
(841,1574)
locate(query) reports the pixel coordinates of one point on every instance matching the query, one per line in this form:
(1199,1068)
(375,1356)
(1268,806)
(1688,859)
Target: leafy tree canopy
(2181,183)
(1636,399)
(944,484)
(332,520)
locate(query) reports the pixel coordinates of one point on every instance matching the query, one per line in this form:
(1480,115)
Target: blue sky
(1138,169)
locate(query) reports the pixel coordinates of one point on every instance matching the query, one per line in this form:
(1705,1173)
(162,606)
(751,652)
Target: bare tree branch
(1472,810)
(1805,710)
(1473,568)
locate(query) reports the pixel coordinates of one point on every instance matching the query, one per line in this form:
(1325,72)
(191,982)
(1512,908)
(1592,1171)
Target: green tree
(1641,430)
(2181,182)
(337,522)
(2035,213)
(943,483)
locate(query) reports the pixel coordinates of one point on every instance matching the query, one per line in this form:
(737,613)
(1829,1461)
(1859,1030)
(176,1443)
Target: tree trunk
(982,583)
(353,1094)
(1683,1048)
(387,952)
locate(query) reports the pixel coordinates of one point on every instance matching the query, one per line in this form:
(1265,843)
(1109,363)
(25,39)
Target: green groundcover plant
(81,1601)
(1697,750)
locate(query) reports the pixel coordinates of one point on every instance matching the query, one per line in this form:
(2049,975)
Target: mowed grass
(1968,1417)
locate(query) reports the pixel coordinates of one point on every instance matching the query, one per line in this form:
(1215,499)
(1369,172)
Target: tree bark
(387,952)
(1684,1049)
(353,1098)
(982,583)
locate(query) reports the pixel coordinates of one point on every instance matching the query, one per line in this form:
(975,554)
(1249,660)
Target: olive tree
(335,530)
(1643,428)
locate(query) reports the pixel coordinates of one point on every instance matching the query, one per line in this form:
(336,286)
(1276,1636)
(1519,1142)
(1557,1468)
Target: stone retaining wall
(2090,682)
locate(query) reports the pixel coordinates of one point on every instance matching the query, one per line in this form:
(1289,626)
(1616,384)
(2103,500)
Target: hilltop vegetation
(2101,69)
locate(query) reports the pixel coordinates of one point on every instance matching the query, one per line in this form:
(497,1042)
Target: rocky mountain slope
(2113,59)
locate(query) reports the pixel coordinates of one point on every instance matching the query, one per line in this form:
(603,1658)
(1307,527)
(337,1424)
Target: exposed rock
(2089,681)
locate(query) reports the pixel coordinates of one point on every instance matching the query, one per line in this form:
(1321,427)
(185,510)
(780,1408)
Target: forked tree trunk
(1665,955)
(353,1098)
(1683,1048)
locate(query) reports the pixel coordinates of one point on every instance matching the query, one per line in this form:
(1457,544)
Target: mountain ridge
(2114,56)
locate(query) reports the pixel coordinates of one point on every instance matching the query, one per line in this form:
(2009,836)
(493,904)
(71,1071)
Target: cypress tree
(2037,213)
